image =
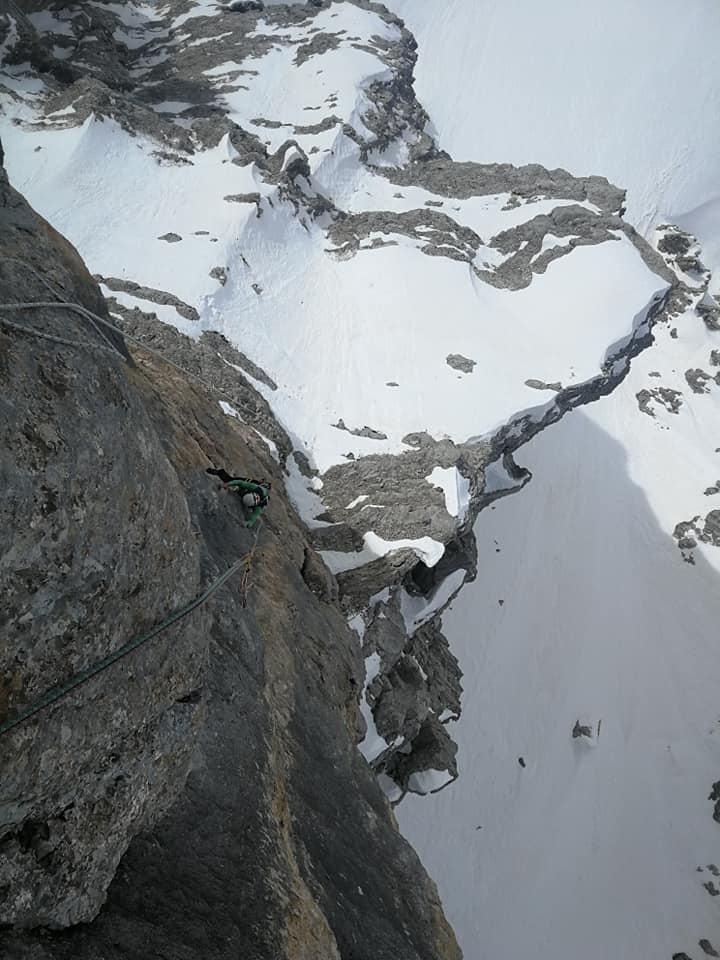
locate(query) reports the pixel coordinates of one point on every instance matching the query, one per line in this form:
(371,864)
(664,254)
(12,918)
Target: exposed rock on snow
(540,385)
(146,293)
(670,400)
(458,362)
(361,431)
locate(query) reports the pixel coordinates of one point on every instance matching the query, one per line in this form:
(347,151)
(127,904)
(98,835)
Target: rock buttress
(279,844)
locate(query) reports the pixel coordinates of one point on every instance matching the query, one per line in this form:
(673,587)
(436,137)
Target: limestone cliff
(217,765)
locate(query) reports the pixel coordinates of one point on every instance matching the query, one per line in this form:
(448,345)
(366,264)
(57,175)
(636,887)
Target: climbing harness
(57,693)
(245,583)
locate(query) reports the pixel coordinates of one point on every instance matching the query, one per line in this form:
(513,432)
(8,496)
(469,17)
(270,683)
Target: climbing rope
(85,344)
(95,320)
(245,583)
(57,693)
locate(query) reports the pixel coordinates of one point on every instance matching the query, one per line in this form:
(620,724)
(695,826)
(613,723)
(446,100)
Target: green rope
(57,693)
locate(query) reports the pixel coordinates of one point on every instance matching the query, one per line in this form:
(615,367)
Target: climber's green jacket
(258,490)
(255,494)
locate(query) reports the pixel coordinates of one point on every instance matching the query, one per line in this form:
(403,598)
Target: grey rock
(148,293)
(245,6)
(707,948)
(400,701)
(458,362)
(171,237)
(710,314)
(711,528)
(361,432)
(320,43)
(704,530)
(436,233)
(541,385)
(246,198)
(697,380)
(310,129)
(215,361)
(220,274)
(675,243)
(462,180)
(670,399)
(432,749)
(303,464)
(338,536)
(97,547)
(318,578)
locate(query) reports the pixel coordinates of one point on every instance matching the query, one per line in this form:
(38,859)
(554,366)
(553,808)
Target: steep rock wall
(279,843)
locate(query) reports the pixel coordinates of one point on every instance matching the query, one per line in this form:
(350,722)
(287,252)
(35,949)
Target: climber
(255,493)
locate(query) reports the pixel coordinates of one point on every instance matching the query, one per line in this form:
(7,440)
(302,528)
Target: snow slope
(624,89)
(583,610)
(332,329)
(592,849)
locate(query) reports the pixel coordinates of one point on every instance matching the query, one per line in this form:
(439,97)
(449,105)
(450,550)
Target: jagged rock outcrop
(279,844)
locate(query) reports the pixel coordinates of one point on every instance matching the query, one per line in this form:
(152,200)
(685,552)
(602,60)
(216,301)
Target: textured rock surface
(280,843)
(96,546)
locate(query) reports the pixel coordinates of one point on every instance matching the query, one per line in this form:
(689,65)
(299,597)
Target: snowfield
(331,330)
(626,91)
(587,613)
(584,612)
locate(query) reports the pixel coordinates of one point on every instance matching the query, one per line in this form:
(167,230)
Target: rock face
(220,758)
(96,544)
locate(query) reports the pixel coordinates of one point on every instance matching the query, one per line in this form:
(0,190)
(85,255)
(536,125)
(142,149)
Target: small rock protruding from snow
(707,948)
(458,362)
(246,6)
(361,431)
